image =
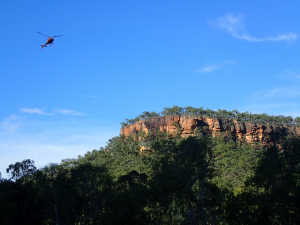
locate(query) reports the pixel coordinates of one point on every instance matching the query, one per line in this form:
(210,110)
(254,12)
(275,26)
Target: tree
(21,169)
(91,191)
(54,191)
(19,202)
(129,205)
(272,194)
(181,189)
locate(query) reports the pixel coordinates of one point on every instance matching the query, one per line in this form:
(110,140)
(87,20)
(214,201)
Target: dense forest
(220,113)
(174,180)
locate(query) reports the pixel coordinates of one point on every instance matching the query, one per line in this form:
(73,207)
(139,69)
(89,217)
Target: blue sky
(117,59)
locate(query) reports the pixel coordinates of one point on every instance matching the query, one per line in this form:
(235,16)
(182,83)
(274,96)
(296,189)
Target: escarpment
(189,126)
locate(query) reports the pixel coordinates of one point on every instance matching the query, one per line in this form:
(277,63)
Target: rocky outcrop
(187,126)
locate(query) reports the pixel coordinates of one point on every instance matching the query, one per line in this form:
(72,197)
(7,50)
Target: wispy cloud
(70,112)
(279,92)
(61,111)
(279,108)
(277,101)
(11,123)
(293,74)
(35,111)
(213,67)
(90,96)
(234,25)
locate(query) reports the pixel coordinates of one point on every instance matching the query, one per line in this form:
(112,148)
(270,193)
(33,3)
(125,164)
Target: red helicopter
(49,41)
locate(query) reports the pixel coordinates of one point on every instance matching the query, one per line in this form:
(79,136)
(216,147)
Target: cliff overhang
(186,125)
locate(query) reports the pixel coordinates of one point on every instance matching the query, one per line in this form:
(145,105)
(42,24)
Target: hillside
(194,170)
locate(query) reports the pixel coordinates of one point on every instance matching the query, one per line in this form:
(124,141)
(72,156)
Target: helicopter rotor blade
(57,36)
(43,34)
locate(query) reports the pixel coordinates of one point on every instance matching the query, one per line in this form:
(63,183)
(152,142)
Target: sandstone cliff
(186,126)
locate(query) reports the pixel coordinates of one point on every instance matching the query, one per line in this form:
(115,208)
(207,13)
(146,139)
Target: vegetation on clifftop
(220,113)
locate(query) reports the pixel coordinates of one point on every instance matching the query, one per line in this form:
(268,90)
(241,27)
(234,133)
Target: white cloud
(41,112)
(70,112)
(234,25)
(295,75)
(276,108)
(211,68)
(279,92)
(277,101)
(11,123)
(90,96)
(35,111)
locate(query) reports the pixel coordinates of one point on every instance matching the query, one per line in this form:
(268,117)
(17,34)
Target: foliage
(174,180)
(272,194)
(21,169)
(220,113)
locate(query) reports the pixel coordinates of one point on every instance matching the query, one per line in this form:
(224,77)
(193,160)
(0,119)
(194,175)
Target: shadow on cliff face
(272,195)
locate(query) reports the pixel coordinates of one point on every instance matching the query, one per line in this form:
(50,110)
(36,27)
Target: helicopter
(49,41)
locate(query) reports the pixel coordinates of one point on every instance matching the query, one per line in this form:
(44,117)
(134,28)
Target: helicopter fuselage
(49,41)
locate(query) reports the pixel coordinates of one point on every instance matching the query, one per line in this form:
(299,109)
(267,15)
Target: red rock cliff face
(186,126)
